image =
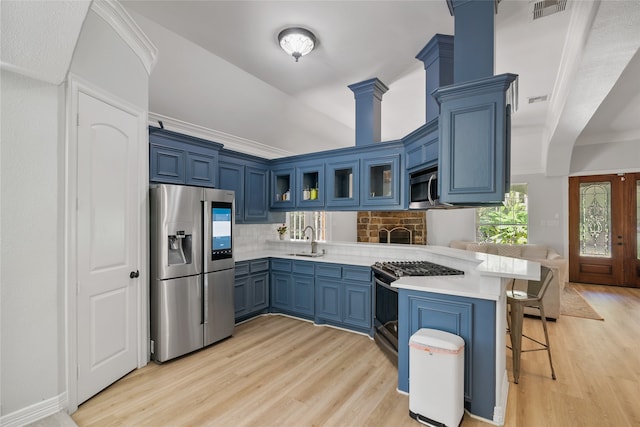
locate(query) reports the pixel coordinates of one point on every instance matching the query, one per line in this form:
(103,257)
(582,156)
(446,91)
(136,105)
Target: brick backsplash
(370,223)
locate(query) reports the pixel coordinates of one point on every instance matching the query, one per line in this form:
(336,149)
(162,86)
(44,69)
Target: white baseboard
(35,412)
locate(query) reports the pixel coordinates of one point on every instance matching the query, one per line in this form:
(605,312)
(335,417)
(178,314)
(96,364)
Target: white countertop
(485,275)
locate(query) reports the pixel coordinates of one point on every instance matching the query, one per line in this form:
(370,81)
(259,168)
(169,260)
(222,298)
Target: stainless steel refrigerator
(192,268)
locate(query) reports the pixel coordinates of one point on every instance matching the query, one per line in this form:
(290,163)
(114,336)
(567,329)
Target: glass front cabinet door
(310,189)
(282,188)
(343,183)
(381,181)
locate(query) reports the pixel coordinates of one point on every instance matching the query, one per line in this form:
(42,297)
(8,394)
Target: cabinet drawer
(362,274)
(259,265)
(242,268)
(278,264)
(329,270)
(303,267)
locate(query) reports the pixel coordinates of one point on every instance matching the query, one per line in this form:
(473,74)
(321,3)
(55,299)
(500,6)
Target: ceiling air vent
(535,99)
(548,7)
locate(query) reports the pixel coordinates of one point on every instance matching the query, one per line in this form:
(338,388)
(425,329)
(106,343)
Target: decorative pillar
(368,95)
(437,56)
(474,39)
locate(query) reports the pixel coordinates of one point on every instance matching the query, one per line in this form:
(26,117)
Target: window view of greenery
(507,223)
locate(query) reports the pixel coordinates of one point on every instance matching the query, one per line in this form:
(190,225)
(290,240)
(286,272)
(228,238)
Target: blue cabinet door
(328,301)
(256,208)
(240,296)
(166,165)
(259,291)
(201,170)
(343,183)
(231,177)
(474,125)
(381,186)
(283,188)
(303,297)
(281,291)
(357,305)
(310,188)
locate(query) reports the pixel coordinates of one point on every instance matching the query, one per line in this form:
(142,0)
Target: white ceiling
(220,67)
(359,40)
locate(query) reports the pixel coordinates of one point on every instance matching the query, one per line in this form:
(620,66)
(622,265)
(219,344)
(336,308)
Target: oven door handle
(386,285)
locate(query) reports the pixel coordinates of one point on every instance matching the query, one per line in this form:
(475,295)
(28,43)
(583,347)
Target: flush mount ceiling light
(297,41)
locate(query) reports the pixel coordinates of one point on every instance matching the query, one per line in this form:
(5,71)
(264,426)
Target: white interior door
(107,244)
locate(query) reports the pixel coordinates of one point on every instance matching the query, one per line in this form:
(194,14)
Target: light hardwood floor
(279,371)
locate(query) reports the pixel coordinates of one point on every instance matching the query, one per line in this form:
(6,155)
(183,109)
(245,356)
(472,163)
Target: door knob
(134,274)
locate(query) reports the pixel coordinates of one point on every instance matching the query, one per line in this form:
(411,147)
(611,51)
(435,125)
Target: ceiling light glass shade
(297,42)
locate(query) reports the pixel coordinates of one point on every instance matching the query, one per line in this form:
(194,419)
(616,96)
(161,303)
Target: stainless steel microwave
(423,189)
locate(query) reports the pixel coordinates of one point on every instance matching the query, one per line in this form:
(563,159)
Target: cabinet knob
(134,274)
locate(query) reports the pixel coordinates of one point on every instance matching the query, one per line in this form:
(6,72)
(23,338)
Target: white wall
(32,332)
(606,158)
(343,226)
(547,209)
(445,225)
(33,306)
(105,60)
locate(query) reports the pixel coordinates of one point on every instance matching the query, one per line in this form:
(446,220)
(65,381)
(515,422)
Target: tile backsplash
(252,237)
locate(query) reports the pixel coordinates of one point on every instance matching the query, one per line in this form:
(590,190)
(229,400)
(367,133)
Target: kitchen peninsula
(472,306)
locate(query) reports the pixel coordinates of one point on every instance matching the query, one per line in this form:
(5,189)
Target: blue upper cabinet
(474,129)
(247,176)
(256,192)
(231,177)
(283,191)
(310,188)
(181,159)
(421,147)
(201,169)
(381,180)
(343,184)
(166,164)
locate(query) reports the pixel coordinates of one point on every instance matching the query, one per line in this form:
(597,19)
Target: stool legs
(546,339)
(515,318)
(515,331)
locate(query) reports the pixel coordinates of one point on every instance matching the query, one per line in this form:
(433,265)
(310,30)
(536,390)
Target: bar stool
(517,301)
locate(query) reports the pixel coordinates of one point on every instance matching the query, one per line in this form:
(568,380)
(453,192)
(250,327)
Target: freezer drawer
(219,310)
(176,317)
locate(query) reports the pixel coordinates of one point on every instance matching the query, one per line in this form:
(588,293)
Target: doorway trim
(76,85)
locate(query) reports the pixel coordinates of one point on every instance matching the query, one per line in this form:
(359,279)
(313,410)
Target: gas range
(386,298)
(396,269)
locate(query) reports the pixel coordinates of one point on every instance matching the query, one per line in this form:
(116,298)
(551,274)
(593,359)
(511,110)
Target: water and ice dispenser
(180,248)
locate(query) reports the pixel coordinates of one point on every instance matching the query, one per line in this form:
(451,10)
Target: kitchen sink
(307,254)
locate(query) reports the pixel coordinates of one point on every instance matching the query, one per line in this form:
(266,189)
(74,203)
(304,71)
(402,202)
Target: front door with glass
(604,229)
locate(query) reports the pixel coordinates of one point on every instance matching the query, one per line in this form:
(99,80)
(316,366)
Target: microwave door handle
(429,189)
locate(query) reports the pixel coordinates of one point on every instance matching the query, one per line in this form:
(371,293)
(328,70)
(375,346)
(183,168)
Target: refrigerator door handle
(205,298)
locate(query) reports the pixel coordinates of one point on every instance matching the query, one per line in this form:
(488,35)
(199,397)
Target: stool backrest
(537,288)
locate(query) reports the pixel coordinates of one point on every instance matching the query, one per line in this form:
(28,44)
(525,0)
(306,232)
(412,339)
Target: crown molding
(230,142)
(114,14)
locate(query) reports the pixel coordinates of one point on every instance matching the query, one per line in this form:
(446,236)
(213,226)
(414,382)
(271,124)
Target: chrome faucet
(314,244)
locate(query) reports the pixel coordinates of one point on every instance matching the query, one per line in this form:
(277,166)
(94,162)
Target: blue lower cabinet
(343,296)
(357,305)
(292,288)
(251,288)
(470,318)
(328,300)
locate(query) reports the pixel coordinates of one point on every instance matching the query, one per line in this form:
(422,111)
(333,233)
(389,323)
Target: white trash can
(436,377)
